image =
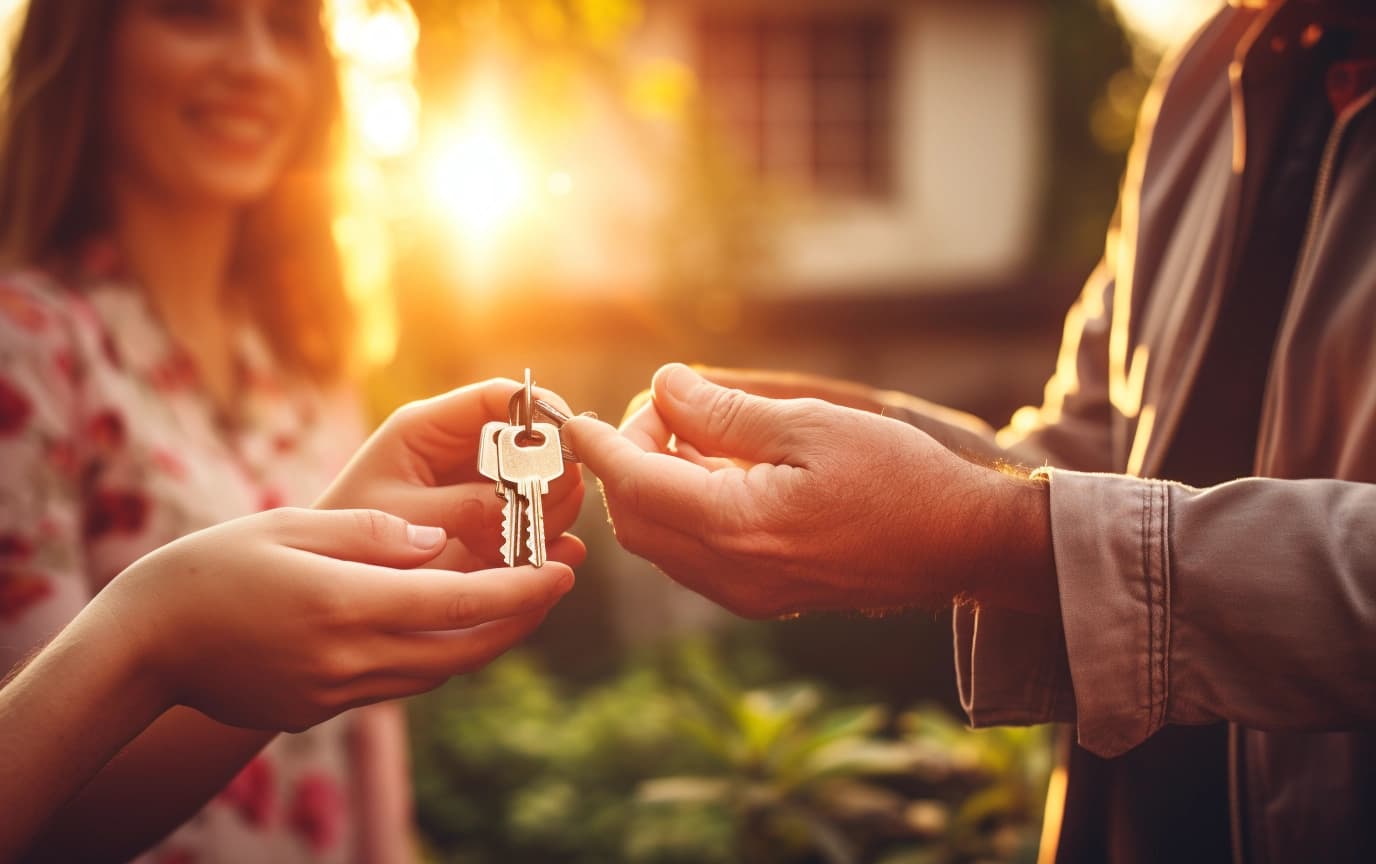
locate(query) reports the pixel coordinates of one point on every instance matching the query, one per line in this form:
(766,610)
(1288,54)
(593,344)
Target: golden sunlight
(10,19)
(375,41)
(480,181)
(1164,24)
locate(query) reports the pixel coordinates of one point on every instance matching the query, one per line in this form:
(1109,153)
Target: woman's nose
(253,48)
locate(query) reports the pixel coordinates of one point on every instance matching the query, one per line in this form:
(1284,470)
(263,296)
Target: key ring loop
(529,408)
(515,405)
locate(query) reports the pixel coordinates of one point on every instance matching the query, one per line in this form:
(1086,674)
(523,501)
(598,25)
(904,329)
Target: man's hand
(421,464)
(777,506)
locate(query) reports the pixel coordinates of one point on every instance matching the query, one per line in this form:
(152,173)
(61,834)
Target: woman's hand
(283,619)
(421,464)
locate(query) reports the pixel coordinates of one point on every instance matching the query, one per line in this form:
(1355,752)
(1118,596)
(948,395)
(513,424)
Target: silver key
(513,511)
(529,467)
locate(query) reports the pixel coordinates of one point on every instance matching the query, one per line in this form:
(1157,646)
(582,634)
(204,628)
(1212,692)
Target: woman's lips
(246,132)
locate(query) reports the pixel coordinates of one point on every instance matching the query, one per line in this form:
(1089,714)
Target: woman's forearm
(175,766)
(63,717)
(96,766)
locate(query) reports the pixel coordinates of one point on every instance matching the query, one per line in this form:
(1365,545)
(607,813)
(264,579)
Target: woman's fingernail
(592,414)
(425,536)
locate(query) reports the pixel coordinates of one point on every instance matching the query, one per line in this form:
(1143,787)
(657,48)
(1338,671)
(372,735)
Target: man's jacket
(1252,602)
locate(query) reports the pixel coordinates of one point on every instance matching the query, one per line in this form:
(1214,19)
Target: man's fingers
(684,450)
(657,486)
(638,401)
(365,536)
(794,385)
(722,421)
(606,452)
(428,599)
(646,429)
(624,467)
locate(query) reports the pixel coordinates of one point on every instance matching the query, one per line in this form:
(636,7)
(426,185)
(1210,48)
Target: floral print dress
(110,448)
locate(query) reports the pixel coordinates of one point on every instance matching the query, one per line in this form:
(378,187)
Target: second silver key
(529,466)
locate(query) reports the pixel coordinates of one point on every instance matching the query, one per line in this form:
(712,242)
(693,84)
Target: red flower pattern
(115,512)
(15,408)
(252,793)
(62,456)
(20,307)
(176,855)
(15,548)
(108,348)
(101,500)
(65,363)
(105,431)
(317,812)
(176,371)
(169,463)
(19,591)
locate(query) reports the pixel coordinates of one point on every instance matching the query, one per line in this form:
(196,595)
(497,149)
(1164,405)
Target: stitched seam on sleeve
(1156,600)
(1166,577)
(1144,527)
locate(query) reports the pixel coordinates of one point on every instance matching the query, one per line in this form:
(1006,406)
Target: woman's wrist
(122,662)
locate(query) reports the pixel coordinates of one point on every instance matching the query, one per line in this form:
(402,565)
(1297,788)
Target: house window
(806,97)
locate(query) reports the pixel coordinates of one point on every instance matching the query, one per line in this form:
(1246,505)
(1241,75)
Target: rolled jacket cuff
(1110,535)
(1011,667)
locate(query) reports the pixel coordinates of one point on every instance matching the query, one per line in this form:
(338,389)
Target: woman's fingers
(567,549)
(366,536)
(472,512)
(429,655)
(428,599)
(442,431)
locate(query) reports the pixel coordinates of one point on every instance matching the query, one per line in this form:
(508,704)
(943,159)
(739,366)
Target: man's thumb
(721,421)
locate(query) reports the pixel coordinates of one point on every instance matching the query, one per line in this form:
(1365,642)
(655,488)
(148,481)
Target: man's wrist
(1017,567)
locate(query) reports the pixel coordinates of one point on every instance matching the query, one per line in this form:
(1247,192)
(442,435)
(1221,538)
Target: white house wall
(969,118)
(969,107)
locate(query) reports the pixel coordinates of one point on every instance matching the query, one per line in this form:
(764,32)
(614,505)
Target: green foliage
(1096,86)
(675,760)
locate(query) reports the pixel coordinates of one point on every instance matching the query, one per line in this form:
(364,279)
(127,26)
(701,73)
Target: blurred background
(906,193)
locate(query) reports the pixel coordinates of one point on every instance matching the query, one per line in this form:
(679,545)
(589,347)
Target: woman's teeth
(238,129)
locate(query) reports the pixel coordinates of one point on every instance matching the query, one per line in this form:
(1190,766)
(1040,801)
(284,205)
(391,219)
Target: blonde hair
(51,190)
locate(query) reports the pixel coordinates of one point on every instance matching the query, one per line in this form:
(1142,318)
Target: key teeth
(508,526)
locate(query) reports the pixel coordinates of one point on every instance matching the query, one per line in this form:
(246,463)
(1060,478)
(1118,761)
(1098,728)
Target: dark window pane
(804,96)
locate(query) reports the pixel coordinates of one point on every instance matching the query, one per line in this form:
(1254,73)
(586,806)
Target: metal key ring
(539,406)
(527,398)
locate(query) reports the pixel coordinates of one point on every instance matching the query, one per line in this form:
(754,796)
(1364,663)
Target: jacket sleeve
(1070,429)
(1253,601)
